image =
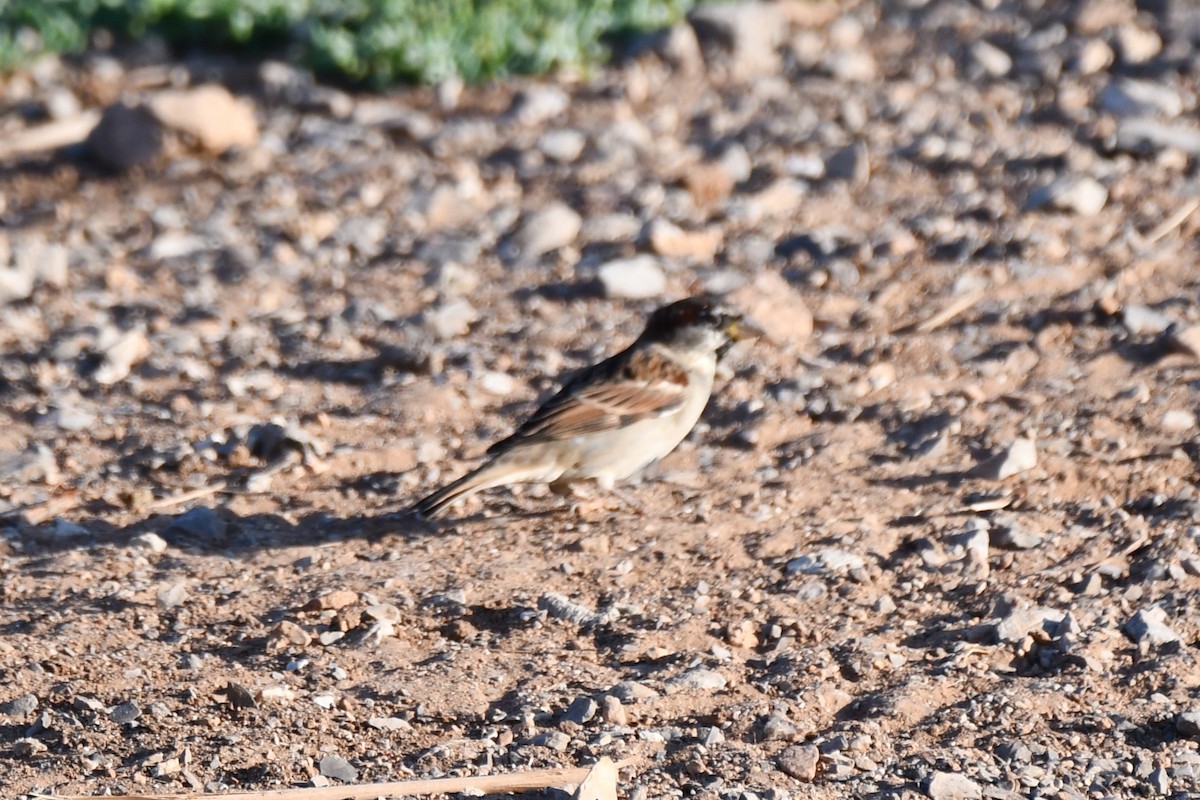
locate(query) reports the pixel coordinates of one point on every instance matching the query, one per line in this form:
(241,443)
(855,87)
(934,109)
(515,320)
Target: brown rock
(335,600)
(669,240)
(214,117)
(800,761)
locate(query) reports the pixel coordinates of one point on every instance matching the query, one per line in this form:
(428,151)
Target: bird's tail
(487,476)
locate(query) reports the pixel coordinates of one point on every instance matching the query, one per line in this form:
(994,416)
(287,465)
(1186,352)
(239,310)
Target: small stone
(744,36)
(215,118)
(20,706)
(125,713)
(1143,135)
(389,724)
(635,278)
(778,728)
(149,541)
(953,786)
(1187,339)
(1178,420)
(1144,321)
(1188,724)
(1137,44)
(613,712)
(667,239)
(125,137)
(537,104)
(713,736)
(384,612)
(120,352)
(336,767)
(564,145)
(632,692)
(553,740)
(1127,97)
(549,229)
(1021,622)
(1079,194)
(288,633)
(1094,56)
(27,748)
(1020,456)
(1009,535)
(198,523)
(451,320)
(800,761)
(581,710)
(699,678)
(991,59)
(1150,625)
(172,595)
(851,164)
(829,560)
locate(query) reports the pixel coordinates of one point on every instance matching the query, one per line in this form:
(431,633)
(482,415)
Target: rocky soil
(938,536)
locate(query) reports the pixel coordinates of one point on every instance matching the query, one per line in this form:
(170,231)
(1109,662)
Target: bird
(613,419)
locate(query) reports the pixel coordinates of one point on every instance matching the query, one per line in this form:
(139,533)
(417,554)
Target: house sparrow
(615,418)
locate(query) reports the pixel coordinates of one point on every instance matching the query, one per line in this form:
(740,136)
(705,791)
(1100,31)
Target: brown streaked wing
(619,391)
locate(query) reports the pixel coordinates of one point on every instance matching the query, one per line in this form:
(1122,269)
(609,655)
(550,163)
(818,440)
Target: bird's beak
(740,329)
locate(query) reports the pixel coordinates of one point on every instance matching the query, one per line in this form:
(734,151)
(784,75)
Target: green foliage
(369,41)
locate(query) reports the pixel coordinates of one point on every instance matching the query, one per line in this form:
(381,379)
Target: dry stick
(516,782)
(956,307)
(183,497)
(50,136)
(1174,221)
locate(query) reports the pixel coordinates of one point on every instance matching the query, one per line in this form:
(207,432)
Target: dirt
(213,529)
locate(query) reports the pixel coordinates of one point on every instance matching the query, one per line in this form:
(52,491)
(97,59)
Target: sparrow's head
(702,323)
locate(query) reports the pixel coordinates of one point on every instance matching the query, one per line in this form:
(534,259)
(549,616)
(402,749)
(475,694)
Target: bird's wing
(631,386)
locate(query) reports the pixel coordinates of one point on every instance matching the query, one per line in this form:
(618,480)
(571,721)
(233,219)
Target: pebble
(119,353)
(1178,420)
(289,633)
(1079,194)
(581,710)
(829,560)
(668,239)
(564,145)
(1150,625)
(389,724)
(27,747)
(20,706)
(537,104)
(800,761)
(1010,535)
(198,523)
(1143,320)
(613,711)
(777,727)
(547,230)
(125,137)
(149,541)
(1018,457)
(333,766)
(1188,724)
(451,319)
(635,278)
(552,740)
(216,119)
(1127,97)
(1021,622)
(850,163)
(1143,135)
(745,34)
(172,595)
(953,786)
(991,59)
(125,713)
(699,678)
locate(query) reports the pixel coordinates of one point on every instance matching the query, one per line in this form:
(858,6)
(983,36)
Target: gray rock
(1077,194)
(800,761)
(20,706)
(634,278)
(547,230)
(537,104)
(564,145)
(451,320)
(743,35)
(332,766)
(125,713)
(699,678)
(149,541)
(1188,724)
(991,59)
(1144,321)
(1127,97)
(1150,625)
(613,711)
(778,728)
(198,523)
(172,595)
(1018,457)
(827,561)
(953,786)
(1021,622)
(850,163)
(581,710)
(1143,135)
(1008,534)
(553,740)
(125,137)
